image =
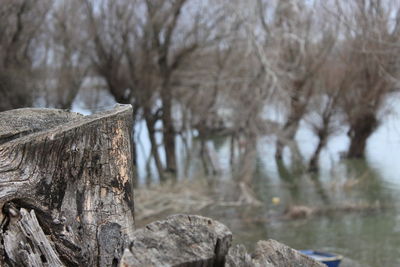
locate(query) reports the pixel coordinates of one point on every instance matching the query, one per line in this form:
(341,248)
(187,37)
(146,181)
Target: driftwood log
(66,199)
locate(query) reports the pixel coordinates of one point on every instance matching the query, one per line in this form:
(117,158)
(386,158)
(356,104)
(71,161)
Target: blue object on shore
(330,259)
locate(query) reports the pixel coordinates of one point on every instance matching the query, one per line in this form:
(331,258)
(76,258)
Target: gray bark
(187,240)
(269,254)
(26,244)
(180,240)
(76,173)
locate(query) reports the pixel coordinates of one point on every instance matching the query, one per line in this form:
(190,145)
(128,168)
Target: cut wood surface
(76,173)
(19,122)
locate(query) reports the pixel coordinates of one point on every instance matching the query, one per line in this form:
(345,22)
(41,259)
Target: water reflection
(369,236)
(356,207)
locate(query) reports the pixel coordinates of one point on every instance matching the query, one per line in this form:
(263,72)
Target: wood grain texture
(26,244)
(189,240)
(179,240)
(269,254)
(78,168)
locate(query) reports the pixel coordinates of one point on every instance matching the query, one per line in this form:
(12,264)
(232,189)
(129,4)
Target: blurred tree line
(210,66)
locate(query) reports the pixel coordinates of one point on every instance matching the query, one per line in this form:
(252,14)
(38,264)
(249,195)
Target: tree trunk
(322,140)
(298,108)
(135,109)
(134,155)
(313,165)
(359,133)
(168,126)
(150,123)
(70,177)
(287,136)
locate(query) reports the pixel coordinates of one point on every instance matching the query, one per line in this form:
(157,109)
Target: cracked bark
(75,173)
(180,240)
(268,253)
(189,240)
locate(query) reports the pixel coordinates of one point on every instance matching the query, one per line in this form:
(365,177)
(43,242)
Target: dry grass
(194,196)
(188,196)
(160,200)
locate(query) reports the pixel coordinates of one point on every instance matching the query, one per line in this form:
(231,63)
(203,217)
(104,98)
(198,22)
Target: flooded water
(357,202)
(362,196)
(368,235)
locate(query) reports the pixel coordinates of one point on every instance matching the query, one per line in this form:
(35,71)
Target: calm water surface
(369,237)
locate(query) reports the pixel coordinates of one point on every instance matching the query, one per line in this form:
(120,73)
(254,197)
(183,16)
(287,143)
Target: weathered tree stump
(269,254)
(187,240)
(72,172)
(180,240)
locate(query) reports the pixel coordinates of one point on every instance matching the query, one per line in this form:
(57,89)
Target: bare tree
(64,65)
(371,53)
(138,46)
(21,23)
(178,29)
(325,117)
(300,55)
